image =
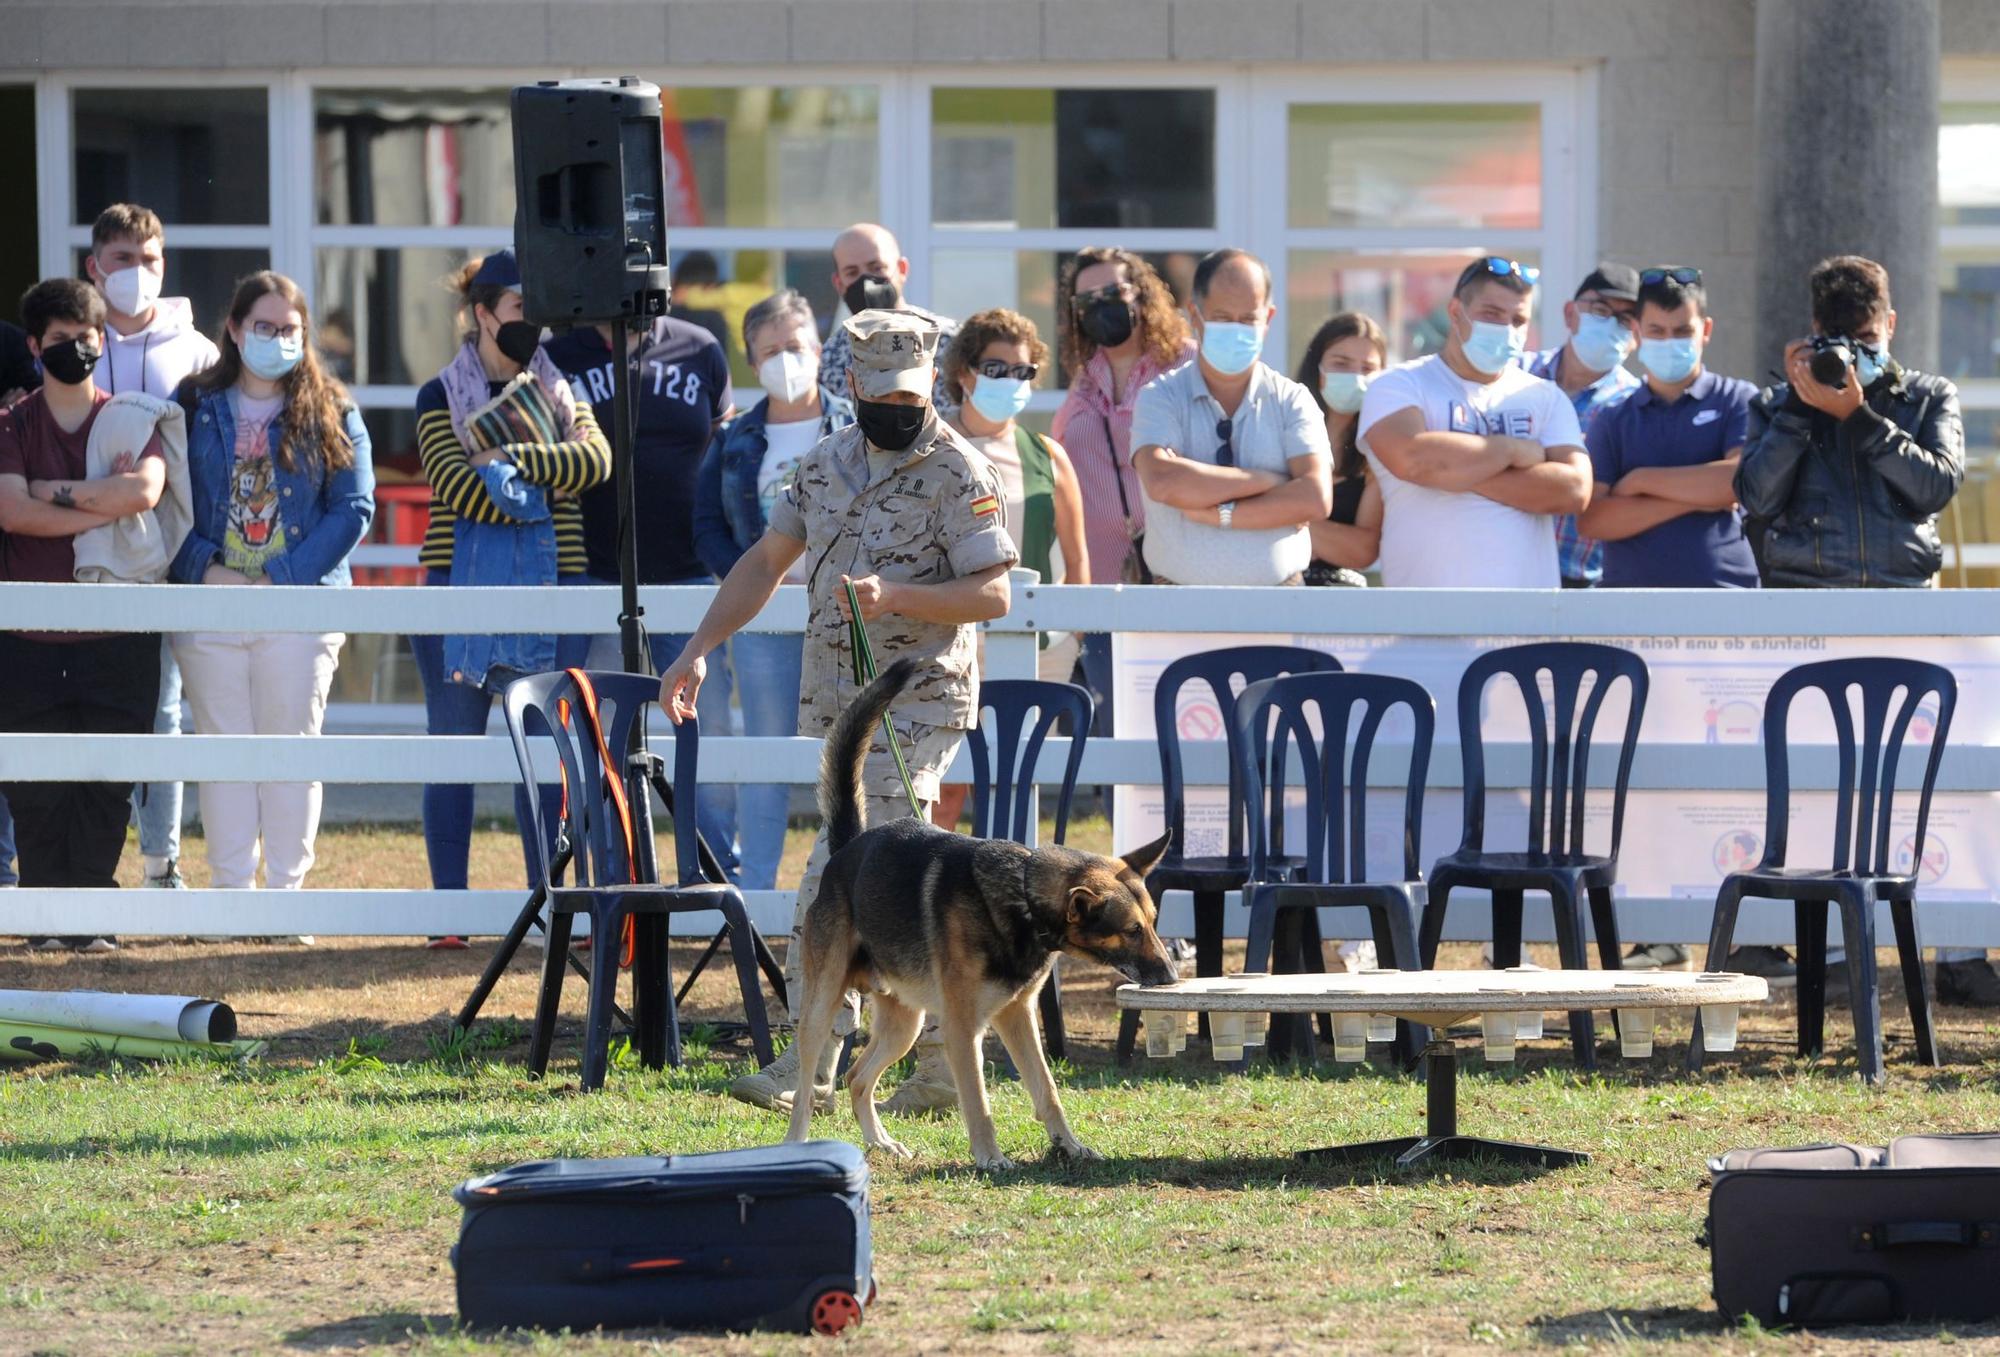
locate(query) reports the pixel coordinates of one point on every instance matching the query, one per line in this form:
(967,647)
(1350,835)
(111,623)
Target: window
(1456,166)
(415,158)
(198,157)
(1969,297)
(1405,291)
(771,156)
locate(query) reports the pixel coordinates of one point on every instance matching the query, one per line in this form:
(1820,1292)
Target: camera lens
(1829,365)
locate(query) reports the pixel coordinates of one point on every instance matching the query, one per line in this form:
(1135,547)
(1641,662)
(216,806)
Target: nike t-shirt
(1444,539)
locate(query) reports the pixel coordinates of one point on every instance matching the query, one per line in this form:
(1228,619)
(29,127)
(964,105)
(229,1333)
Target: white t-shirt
(1445,539)
(785,446)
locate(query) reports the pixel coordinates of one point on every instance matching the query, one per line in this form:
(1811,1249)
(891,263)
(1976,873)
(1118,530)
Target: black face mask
(72,361)
(891,428)
(872,292)
(1106,324)
(518,340)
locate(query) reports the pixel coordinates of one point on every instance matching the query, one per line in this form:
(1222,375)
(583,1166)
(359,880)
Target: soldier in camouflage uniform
(902,506)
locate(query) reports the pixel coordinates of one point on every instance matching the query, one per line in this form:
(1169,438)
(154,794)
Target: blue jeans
(460,709)
(157,805)
(715,803)
(9,874)
(767,686)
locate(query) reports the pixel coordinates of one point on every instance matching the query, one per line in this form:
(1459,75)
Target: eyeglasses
(1225,452)
(1683,274)
(1500,267)
(1117,292)
(263,329)
(997,370)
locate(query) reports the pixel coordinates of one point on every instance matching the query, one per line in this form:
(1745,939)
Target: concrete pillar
(1847,129)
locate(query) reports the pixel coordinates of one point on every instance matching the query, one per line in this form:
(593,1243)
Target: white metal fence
(1010,652)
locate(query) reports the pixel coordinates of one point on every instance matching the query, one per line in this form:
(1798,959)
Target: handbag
(1133,569)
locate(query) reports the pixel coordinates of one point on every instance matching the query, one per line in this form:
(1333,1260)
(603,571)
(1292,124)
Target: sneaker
(772,1087)
(449,943)
(930,1087)
(1180,950)
(169,880)
(289,940)
(48,944)
(96,946)
(1972,983)
(1357,956)
(1658,956)
(1773,964)
(1527,964)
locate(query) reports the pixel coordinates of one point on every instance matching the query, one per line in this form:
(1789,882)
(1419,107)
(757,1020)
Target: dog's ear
(1084,905)
(1143,859)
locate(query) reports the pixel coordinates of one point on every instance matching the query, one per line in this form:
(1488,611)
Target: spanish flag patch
(984,505)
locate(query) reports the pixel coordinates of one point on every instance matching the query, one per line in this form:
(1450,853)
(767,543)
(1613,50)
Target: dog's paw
(995,1162)
(1075,1151)
(890,1147)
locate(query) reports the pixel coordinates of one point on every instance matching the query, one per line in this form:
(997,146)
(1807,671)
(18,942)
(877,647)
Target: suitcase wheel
(834,1311)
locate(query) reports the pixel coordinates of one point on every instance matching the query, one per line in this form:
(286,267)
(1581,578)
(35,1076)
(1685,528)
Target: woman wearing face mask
(1119,329)
(1344,354)
(747,467)
(500,347)
(282,488)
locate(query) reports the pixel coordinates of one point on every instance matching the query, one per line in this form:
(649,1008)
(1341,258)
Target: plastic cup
(1499,1030)
(1225,1035)
(1635,1033)
(1718,1027)
(1177,1030)
(1528,1027)
(1381,1027)
(1159,1036)
(1350,1037)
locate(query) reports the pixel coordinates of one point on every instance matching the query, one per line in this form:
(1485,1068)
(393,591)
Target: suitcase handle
(1899,1234)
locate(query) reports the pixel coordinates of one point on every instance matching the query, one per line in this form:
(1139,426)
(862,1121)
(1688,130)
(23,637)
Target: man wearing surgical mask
(1232,455)
(1590,370)
(151,344)
(1477,456)
(871,273)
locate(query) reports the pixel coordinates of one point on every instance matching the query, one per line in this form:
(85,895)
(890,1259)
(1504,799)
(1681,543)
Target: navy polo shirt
(1706,423)
(680,384)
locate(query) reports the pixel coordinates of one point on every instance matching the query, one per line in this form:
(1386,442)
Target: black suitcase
(1854,1234)
(772,1238)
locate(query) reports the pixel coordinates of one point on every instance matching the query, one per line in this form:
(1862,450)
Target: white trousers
(245,683)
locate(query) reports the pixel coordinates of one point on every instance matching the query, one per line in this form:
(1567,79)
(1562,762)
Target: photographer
(1847,464)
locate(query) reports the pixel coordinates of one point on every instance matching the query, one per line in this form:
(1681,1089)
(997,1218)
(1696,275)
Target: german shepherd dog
(929,921)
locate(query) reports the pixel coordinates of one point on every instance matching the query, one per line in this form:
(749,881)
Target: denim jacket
(322,515)
(519,551)
(728,516)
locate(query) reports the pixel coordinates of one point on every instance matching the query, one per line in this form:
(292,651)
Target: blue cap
(498,270)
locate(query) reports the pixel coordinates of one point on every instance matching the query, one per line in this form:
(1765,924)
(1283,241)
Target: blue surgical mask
(273,357)
(1342,391)
(1601,342)
(1870,364)
(1230,346)
(1673,361)
(999,398)
(1492,346)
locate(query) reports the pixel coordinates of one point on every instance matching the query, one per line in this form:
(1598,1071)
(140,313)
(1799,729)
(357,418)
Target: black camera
(1832,356)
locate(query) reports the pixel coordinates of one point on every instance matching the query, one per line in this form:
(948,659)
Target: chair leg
(1507,907)
(1857,921)
(649,999)
(1396,946)
(1910,952)
(1430,929)
(1208,924)
(1287,1033)
(743,951)
(1313,945)
(555,964)
(1809,921)
(1055,1040)
(1604,922)
(1568,912)
(604,927)
(1721,929)
(1262,930)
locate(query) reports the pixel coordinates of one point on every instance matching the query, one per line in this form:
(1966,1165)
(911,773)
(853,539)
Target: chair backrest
(1558,779)
(552,704)
(1003,771)
(1862,815)
(1217,668)
(1275,713)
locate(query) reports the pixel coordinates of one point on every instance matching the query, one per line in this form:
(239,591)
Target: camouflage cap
(892,351)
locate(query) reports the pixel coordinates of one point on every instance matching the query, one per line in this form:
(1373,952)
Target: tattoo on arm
(62,497)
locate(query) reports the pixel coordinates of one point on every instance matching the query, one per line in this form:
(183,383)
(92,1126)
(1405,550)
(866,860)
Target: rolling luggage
(773,1238)
(1853,1234)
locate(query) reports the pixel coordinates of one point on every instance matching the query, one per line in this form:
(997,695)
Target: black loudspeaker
(590,217)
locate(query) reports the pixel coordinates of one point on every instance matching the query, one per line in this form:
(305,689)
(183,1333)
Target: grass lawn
(303,1203)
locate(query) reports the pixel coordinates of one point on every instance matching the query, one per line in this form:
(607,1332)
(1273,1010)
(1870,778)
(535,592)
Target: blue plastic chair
(1863,869)
(551,704)
(1211,878)
(1274,714)
(1003,785)
(1554,861)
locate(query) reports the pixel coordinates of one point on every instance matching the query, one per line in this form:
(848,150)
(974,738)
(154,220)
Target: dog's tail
(846,750)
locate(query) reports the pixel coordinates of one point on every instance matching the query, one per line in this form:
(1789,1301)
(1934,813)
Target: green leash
(864,674)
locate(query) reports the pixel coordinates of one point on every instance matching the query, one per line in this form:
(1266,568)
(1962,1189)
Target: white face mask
(788,375)
(132,292)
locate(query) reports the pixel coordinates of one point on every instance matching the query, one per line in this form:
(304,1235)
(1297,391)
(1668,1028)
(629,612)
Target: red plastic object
(834,1311)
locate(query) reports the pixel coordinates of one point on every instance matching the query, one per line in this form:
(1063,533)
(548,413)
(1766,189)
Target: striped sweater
(567,469)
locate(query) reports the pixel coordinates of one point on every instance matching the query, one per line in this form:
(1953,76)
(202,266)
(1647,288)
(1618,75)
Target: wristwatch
(1224,512)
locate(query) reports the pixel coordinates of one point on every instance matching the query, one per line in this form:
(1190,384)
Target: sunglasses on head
(1683,274)
(997,370)
(1498,267)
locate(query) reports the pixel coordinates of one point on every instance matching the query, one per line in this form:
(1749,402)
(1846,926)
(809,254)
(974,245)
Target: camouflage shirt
(931,516)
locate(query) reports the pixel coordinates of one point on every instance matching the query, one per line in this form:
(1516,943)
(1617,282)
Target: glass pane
(1969,314)
(1027,159)
(1969,164)
(392,441)
(392,310)
(1473,166)
(407,157)
(1406,292)
(206,278)
(198,157)
(713,288)
(970,281)
(768,156)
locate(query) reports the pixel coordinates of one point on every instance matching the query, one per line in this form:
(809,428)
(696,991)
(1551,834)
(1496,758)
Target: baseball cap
(892,351)
(498,270)
(1620,282)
